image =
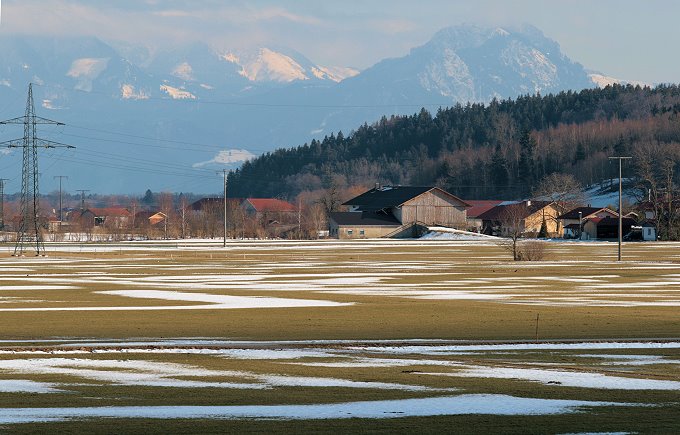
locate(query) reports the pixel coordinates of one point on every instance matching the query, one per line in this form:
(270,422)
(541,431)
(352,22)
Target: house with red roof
(573,220)
(270,210)
(477,207)
(606,228)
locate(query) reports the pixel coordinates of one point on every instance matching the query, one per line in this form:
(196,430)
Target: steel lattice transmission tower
(29,232)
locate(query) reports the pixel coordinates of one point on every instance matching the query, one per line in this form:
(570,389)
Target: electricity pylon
(29,232)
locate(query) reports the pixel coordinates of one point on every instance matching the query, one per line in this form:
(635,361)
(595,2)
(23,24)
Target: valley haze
(195,109)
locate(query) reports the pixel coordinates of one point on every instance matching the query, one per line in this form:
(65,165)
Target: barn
(398,211)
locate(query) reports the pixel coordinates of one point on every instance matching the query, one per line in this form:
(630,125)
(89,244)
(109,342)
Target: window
(362,232)
(350,232)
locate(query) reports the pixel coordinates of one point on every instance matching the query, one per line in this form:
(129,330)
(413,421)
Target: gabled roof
(110,211)
(612,221)
(527,208)
(205,202)
(585,212)
(480,206)
(364,218)
(270,204)
(392,196)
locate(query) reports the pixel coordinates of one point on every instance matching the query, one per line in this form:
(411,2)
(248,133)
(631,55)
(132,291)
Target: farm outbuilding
(399,211)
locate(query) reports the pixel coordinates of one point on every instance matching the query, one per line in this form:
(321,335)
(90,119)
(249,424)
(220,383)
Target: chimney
(529,203)
(377,186)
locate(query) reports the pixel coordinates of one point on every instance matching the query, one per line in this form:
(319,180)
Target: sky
(626,39)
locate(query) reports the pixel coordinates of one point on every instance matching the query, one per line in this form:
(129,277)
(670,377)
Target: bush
(530,250)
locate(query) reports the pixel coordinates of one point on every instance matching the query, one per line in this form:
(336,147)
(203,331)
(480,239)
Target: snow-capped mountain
(602,81)
(242,102)
(266,65)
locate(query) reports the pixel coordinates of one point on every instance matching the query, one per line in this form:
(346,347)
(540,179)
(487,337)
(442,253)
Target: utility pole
(2,203)
(61,209)
(82,198)
(29,228)
(620,159)
(224,241)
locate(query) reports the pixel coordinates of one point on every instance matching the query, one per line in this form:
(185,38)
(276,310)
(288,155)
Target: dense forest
(477,151)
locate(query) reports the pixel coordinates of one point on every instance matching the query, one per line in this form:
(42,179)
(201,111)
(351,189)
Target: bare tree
(511,222)
(563,190)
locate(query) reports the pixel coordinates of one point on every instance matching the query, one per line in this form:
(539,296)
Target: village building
(606,228)
(648,231)
(477,207)
(573,220)
(398,211)
(526,217)
(111,217)
(270,211)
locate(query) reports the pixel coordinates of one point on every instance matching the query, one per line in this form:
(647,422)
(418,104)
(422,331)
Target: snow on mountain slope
(334,73)
(86,70)
(601,81)
(267,65)
(272,66)
(177,94)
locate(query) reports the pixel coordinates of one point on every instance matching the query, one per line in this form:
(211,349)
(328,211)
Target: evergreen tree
(499,169)
(543,232)
(526,167)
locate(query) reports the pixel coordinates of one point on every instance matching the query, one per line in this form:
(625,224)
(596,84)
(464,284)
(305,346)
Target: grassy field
(320,323)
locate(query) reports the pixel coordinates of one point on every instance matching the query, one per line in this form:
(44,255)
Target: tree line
(499,150)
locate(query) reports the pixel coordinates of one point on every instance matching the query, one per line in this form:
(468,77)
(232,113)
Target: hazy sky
(627,39)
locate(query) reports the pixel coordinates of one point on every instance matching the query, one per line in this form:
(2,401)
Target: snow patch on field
(564,378)
(487,404)
(26,386)
(163,374)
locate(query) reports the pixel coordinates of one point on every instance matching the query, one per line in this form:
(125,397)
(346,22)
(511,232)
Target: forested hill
(499,150)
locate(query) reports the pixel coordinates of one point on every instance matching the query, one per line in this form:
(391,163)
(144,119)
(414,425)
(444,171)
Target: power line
(29,229)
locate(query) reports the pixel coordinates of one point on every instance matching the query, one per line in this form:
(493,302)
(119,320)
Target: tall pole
(620,159)
(2,202)
(29,228)
(61,209)
(224,241)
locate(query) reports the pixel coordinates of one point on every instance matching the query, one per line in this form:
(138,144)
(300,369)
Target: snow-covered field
(335,330)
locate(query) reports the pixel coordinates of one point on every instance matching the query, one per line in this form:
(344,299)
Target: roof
(392,196)
(527,208)
(203,202)
(585,212)
(144,214)
(110,211)
(480,206)
(612,221)
(364,218)
(271,204)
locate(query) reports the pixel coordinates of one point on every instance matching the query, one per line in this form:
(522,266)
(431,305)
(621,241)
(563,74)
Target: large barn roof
(391,196)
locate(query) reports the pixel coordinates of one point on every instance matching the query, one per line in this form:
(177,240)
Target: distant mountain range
(168,119)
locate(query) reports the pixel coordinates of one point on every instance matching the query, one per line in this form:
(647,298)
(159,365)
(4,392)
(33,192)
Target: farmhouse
(270,210)
(111,217)
(474,223)
(525,216)
(606,227)
(398,211)
(572,221)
